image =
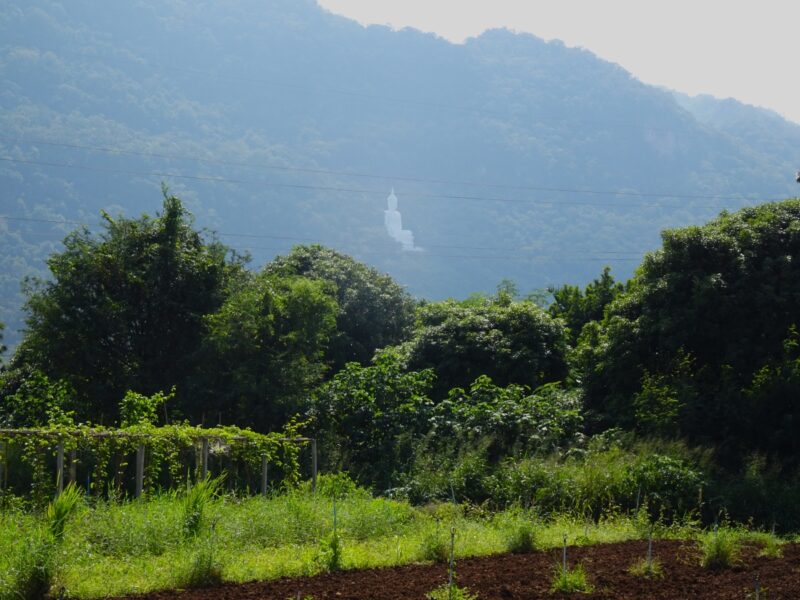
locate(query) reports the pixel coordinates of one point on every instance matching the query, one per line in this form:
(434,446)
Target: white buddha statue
(394,224)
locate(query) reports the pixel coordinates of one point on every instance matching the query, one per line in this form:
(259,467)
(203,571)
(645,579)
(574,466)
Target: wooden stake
(314,465)
(204,459)
(60,468)
(451,570)
(73,466)
(139,470)
(4,467)
(264,474)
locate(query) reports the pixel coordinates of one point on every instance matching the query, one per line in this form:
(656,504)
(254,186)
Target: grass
(444,592)
(168,542)
(642,569)
(521,538)
(720,548)
(567,581)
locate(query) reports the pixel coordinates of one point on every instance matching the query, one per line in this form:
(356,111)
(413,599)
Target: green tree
(509,420)
(374,311)
(138,409)
(29,398)
(724,294)
(265,349)
(511,342)
(369,419)
(576,308)
(124,309)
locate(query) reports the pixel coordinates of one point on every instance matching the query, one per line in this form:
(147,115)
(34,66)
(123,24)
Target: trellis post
(139,470)
(73,466)
(4,466)
(314,465)
(204,459)
(60,467)
(264,474)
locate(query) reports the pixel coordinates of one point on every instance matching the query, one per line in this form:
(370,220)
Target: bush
(720,548)
(521,538)
(194,502)
(570,580)
(330,555)
(435,545)
(652,571)
(60,510)
(338,485)
(444,592)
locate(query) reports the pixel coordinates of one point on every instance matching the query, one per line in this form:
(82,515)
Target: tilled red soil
(511,577)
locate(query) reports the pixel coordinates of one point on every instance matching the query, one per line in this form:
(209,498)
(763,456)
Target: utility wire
(383,177)
(613,254)
(212,179)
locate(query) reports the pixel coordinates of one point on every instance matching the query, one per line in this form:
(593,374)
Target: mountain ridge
(290,85)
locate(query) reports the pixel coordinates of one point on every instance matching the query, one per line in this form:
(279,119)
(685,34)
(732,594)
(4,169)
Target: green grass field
(115,548)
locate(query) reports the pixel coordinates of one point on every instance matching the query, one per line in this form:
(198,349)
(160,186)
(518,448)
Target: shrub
(772,548)
(720,549)
(570,580)
(330,555)
(652,571)
(521,538)
(194,502)
(435,545)
(337,485)
(446,592)
(60,509)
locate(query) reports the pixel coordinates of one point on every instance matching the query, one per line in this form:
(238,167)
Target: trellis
(202,439)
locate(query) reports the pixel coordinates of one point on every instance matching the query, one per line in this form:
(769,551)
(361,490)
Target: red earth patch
(528,576)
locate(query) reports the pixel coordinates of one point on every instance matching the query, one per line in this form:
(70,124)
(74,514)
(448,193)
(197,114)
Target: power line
(211,179)
(383,177)
(613,254)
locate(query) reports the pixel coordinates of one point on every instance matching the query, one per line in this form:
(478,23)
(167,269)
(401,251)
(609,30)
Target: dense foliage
(678,383)
(268,136)
(124,309)
(511,342)
(703,343)
(266,348)
(373,310)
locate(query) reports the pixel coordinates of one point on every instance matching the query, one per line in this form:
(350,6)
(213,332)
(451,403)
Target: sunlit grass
(140,546)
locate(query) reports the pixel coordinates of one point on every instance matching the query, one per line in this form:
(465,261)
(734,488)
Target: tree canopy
(124,309)
(266,346)
(511,342)
(373,310)
(702,333)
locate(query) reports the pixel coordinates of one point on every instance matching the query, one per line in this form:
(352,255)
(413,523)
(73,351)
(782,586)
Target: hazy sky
(744,49)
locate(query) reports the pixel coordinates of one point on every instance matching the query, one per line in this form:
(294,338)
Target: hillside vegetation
(279,119)
(680,383)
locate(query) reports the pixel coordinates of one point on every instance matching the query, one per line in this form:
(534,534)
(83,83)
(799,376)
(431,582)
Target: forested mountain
(278,119)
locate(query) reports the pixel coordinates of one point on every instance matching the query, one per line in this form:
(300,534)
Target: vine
(169,452)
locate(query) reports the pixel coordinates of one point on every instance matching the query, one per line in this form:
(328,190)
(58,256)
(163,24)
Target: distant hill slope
(259,113)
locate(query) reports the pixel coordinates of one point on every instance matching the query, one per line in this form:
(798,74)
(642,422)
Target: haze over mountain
(510,157)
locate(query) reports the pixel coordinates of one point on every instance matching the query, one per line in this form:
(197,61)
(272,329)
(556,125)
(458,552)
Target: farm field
(358,547)
(528,576)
